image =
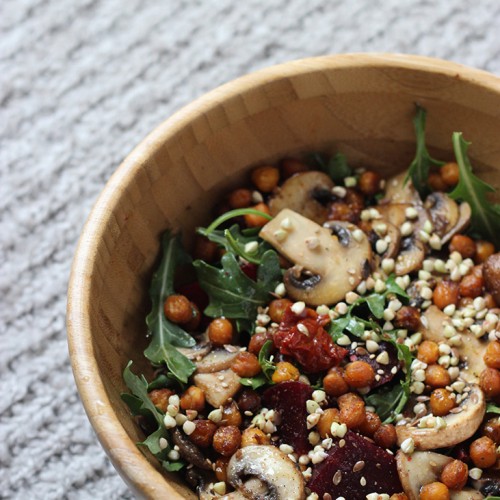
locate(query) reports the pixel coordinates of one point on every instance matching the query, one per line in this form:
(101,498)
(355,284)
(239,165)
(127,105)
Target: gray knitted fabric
(81,83)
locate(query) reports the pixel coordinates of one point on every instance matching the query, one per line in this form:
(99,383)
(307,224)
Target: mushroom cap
(411,256)
(304,193)
(218,386)
(443,212)
(459,426)
(263,472)
(327,265)
(397,191)
(424,467)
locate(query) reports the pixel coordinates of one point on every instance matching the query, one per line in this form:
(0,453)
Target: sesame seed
(358,466)
(303,329)
(337,477)
(362,481)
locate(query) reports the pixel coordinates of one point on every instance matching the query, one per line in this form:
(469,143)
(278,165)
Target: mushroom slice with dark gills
(458,426)
(262,472)
(411,256)
(328,261)
(399,191)
(307,193)
(425,467)
(443,211)
(464,214)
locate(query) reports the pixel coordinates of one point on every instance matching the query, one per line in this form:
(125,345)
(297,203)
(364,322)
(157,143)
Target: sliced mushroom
(491,273)
(394,237)
(329,261)
(397,191)
(263,472)
(462,223)
(471,350)
(489,483)
(424,467)
(217,360)
(459,426)
(395,213)
(307,193)
(443,212)
(218,386)
(411,256)
(189,451)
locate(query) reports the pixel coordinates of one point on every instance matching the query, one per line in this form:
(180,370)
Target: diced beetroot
(361,354)
(360,467)
(289,400)
(250,270)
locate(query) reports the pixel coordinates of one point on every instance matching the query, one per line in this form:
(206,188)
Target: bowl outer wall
(250,108)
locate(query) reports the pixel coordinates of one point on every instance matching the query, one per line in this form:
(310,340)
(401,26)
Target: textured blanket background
(81,82)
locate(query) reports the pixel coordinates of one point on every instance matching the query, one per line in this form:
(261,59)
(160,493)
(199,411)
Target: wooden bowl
(359,104)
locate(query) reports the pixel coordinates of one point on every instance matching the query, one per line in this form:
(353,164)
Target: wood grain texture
(359,104)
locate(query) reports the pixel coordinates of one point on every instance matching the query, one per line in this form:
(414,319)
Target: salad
(333,335)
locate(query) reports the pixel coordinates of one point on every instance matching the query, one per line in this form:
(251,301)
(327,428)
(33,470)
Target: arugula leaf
(392,287)
(386,401)
(376,304)
(233,240)
(492,408)
(337,167)
(238,212)
(418,171)
(485,217)
(139,388)
(268,368)
(166,336)
(232,293)
(254,382)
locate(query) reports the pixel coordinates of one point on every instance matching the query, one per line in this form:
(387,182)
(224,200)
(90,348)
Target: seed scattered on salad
(333,335)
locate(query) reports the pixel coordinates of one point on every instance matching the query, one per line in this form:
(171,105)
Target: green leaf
(139,387)
(172,466)
(376,303)
(394,288)
(231,292)
(337,167)
(165,335)
(419,168)
(152,442)
(485,217)
(492,408)
(161,381)
(267,365)
(231,215)
(254,382)
(386,401)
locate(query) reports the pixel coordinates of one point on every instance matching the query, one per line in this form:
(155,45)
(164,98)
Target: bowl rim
(127,459)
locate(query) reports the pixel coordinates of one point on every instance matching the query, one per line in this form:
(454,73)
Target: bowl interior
(361,105)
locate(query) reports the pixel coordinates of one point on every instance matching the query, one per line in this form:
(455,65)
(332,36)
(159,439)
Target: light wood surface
(359,104)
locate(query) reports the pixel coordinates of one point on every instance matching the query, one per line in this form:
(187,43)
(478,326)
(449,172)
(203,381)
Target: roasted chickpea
(491,429)
(246,364)
(371,424)
(471,285)
(483,250)
(398,496)
(492,355)
(483,452)
(455,475)
(445,293)
(489,301)
(193,399)
(227,439)
(441,402)
(205,249)
(386,436)
(277,309)
(253,436)
(265,178)
(231,415)
(285,372)
(340,210)
(489,381)
(352,410)
(177,309)
(369,183)
(193,324)
(220,331)
(221,469)
(326,420)
(450,173)
(437,376)
(408,317)
(253,220)
(435,491)
(159,398)
(359,374)
(464,245)
(203,433)
(292,166)
(240,198)
(249,400)
(257,341)
(436,182)
(428,352)
(334,383)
